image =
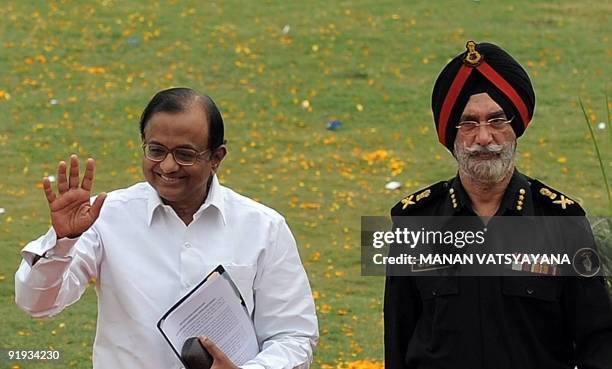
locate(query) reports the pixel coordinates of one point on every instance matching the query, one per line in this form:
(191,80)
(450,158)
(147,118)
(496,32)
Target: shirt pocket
(441,287)
(243,276)
(533,304)
(438,324)
(545,289)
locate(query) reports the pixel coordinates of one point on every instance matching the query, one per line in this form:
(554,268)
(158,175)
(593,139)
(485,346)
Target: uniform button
(530,291)
(434,293)
(187,244)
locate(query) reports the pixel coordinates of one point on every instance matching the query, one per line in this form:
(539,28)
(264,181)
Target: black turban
(486,68)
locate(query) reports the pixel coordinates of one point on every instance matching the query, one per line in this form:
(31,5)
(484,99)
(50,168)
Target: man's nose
(483,135)
(169,165)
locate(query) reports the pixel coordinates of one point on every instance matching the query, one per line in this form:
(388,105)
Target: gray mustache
(477,149)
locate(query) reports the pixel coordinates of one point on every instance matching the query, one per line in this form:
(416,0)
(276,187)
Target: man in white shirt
(149,244)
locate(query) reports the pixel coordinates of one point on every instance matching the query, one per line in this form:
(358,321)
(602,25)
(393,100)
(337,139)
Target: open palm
(71,212)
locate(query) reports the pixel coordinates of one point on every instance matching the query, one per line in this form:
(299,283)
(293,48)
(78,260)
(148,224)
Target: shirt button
(187,244)
(434,293)
(530,291)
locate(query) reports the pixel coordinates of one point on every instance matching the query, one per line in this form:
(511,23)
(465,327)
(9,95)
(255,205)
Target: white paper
(213,310)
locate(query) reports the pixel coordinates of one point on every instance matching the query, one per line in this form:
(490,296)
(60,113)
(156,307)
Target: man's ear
(217,157)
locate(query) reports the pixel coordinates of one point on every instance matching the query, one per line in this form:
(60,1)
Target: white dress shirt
(144,259)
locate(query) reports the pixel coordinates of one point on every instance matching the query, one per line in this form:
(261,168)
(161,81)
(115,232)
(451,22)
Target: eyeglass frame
(475,124)
(168,151)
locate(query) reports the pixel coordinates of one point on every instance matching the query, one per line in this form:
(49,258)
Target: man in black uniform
(482,102)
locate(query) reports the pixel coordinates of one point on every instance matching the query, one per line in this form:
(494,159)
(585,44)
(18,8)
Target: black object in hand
(194,355)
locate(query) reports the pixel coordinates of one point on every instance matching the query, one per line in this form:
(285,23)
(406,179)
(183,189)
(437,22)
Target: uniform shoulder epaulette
(555,199)
(419,198)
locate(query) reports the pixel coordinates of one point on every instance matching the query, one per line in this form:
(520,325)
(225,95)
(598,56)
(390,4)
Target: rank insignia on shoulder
(548,193)
(414,198)
(557,200)
(418,198)
(407,201)
(562,201)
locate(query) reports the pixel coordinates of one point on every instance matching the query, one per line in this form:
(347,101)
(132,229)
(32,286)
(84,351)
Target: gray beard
(486,171)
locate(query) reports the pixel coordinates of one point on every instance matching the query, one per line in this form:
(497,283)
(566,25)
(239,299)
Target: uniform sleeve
(588,304)
(402,308)
(54,273)
(284,314)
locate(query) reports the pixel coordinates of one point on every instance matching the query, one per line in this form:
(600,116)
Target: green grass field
(76,76)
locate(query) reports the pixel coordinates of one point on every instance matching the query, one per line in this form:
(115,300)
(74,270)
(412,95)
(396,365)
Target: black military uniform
(495,322)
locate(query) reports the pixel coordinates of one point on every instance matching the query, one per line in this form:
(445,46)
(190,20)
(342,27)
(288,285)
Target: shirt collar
(214,198)
(516,200)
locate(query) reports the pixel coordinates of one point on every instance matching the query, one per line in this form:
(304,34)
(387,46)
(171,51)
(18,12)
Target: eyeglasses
(470,126)
(182,155)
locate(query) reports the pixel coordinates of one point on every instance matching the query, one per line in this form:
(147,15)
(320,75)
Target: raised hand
(71,213)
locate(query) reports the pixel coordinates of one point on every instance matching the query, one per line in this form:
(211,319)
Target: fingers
(66,182)
(48,190)
(96,207)
(62,182)
(89,175)
(212,349)
(73,180)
